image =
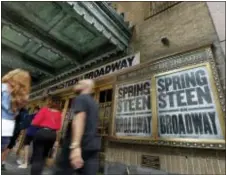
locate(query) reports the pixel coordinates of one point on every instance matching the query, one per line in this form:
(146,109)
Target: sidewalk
(113,168)
(12,167)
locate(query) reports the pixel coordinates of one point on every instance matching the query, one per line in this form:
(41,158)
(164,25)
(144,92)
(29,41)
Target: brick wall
(187,25)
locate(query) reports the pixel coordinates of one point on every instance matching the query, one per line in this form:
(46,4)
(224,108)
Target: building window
(105,113)
(105,96)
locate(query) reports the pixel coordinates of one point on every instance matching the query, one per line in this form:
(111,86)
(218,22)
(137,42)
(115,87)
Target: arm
(60,121)
(38,117)
(79,120)
(25,117)
(78,125)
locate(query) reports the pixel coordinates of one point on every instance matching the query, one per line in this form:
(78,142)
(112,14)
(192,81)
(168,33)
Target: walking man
(81,144)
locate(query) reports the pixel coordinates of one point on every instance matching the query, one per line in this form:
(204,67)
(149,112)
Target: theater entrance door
(104,98)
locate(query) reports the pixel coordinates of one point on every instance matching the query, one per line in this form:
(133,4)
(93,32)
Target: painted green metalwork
(54,40)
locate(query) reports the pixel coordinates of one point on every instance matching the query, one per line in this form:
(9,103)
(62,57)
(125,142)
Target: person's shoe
(3,167)
(19,162)
(23,166)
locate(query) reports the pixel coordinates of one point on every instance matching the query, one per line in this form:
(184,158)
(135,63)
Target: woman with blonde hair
(15,92)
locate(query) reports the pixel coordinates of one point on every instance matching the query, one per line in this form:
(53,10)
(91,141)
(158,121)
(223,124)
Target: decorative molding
(68,74)
(95,16)
(19,15)
(13,61)
(168,63)
(115,16)
(220,146)
(34,43)
(220,91)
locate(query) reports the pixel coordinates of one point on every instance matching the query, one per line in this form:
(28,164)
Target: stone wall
(173,160)
(217,12)
(187,25)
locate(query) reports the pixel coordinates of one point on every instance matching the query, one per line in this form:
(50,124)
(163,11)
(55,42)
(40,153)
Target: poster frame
(218,94)
(216,100)
(138,138)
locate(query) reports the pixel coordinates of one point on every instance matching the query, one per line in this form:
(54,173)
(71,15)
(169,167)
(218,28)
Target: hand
(76,158)
(56,144)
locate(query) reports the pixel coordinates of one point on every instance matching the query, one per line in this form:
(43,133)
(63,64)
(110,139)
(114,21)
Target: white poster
(186,106)
(133,109)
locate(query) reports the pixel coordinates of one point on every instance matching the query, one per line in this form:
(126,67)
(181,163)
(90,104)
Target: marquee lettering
(110,68)
(104,70)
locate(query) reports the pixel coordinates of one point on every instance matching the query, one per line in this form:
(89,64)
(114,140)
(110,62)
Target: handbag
(8,127)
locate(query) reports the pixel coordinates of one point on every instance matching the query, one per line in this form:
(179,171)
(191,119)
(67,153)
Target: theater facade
(161,105)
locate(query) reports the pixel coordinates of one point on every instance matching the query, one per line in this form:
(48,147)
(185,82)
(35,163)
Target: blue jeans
(5,142)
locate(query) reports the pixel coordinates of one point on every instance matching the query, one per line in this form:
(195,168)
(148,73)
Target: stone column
(217,12)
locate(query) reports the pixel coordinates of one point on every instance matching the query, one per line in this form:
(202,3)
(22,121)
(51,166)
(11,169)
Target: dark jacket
(20,119)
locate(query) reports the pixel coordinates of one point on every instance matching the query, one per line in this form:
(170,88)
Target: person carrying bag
(15,91)
(48,120)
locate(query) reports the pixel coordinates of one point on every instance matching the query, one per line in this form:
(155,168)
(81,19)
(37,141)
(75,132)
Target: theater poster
(133,116)
(187,104)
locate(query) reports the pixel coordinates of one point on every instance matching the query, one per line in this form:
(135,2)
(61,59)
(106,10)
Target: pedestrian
(30,132)
(48,120)
(81,144)
(19,126)
(15,91)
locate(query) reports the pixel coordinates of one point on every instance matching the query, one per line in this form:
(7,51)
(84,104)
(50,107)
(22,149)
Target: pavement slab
(12,167)
(112,168)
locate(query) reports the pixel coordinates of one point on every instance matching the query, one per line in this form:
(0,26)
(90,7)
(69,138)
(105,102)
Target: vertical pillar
(63,116)
(50,161)
(217,12)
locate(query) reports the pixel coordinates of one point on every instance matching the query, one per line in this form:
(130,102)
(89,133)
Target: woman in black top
(19,126)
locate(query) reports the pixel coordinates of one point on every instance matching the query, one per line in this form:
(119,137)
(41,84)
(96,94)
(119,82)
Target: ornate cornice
(72,72)
(94,15)
(107,22)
